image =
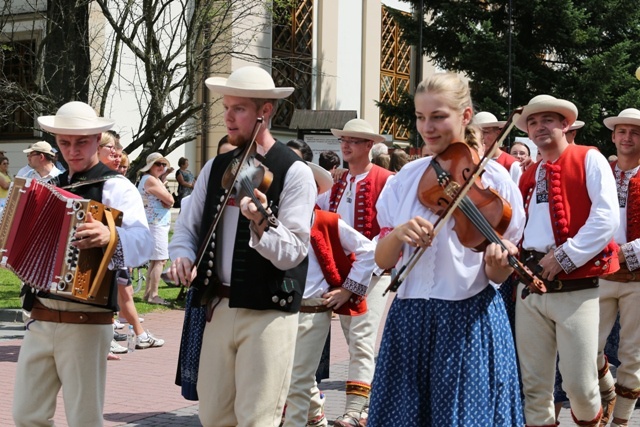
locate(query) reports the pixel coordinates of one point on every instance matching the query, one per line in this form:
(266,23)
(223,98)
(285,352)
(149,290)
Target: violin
(451,186)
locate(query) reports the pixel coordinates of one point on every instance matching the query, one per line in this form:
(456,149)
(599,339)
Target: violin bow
(457,198)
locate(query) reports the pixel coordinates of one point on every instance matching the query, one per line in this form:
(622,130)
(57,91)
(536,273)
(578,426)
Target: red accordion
(36,230)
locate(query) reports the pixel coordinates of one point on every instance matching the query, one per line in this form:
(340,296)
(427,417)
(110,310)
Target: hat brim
(148,166)
(578,124)
(560,106)
(93,126)
(364,135)
(611,122)
(219,85)
(491,124)
(322,177)
(31,150)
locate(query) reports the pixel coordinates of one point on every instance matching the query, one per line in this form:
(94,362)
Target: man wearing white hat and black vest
(572,214)
(66,343)
(252,275)
(620,291)
(354,198)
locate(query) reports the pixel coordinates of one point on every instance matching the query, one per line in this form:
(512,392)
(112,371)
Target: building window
(17,65)
(395,70)
(292,57)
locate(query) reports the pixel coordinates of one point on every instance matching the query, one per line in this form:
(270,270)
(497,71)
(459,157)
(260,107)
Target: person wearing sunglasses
(157,203)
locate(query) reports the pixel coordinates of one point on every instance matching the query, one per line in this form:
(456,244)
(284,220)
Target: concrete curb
(11,315)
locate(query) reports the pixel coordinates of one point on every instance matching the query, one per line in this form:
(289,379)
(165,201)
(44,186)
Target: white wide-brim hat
(358,128)
(630,116)
(151,159)
(40,147)
(75,118)
(578,124)
(485,119)
(322,177)
(547,103)
(248,82)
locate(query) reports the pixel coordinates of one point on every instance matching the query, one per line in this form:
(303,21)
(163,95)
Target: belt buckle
(559,286)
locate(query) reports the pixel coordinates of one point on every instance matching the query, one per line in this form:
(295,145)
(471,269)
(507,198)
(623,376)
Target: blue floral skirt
(447,363)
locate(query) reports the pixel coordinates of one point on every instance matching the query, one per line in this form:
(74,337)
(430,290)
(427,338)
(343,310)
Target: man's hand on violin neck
(250,211)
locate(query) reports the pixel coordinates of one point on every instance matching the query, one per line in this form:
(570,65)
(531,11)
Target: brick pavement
(141,391)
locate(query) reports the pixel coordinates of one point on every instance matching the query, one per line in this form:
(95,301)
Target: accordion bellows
(37,228)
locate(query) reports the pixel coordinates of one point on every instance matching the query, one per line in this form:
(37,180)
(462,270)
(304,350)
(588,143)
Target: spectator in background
(124,164)
(40,158)
(56,160)
(573,130)
(107,151)
(424,151)
(521,152)
(157,203)
(383,160)
(301,148)
(185,179)
(377,149)
(5,179)
(329,160)
(398,159)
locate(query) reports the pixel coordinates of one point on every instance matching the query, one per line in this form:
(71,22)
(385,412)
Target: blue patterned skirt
(190,346)
(447,363)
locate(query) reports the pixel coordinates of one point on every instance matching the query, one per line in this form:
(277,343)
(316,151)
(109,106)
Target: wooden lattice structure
(395,70)
(292,57)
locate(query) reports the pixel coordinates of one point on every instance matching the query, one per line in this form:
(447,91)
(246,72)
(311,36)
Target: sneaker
(123,320)
(151,341)
(117,348)
(117,324)
(119,337)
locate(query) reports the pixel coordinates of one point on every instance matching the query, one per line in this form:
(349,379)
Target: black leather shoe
(119,337)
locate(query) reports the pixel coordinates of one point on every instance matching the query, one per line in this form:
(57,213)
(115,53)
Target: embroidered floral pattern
(542,191)
(622,182)
(630,256)
(563,259)
(336,193)
(118,257)
(355,287)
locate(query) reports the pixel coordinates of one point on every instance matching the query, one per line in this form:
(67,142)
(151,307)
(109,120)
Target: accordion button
(274,299)
(209,273)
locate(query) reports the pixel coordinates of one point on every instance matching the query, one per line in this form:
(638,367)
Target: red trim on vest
(506,160)
(569,207)
(335,264)
(365,215)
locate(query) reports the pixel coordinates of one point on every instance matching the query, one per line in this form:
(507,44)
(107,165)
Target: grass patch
(10,294)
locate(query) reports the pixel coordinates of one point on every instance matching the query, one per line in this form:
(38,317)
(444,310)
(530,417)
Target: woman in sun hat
(157,203)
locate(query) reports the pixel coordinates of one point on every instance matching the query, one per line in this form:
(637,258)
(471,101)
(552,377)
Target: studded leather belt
(623,275)
(45,314)
(531,259)
(314,309)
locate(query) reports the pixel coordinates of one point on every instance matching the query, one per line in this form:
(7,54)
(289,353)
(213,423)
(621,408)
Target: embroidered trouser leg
(625,298)
(245,366)
(313,329)
(361,333)
(70,356)
(567,322)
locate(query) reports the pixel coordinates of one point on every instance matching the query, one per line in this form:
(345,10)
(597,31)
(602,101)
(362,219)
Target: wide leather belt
(623,275)
(314,309)
(531,258)
(45,314)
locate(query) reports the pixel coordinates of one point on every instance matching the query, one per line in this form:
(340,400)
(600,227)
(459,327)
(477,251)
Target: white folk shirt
(595,234)
(447,270)
(352,242)
(631,250)
(285,246)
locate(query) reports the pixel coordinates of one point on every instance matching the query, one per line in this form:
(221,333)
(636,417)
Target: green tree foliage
(585,51)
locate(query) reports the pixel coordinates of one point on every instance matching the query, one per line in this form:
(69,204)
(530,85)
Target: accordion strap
(89,182)
(110,249)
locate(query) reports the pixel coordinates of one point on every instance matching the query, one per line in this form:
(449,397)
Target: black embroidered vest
(255,282)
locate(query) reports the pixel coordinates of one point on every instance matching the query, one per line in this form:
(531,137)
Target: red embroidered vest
(506,160)
(335,264)
(633,206)
(365,198)
(569,207)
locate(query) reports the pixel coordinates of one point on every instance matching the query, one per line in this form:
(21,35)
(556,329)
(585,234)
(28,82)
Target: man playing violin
(251,276)
(447,356)
(620,291)
(66,343)
(572,212)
